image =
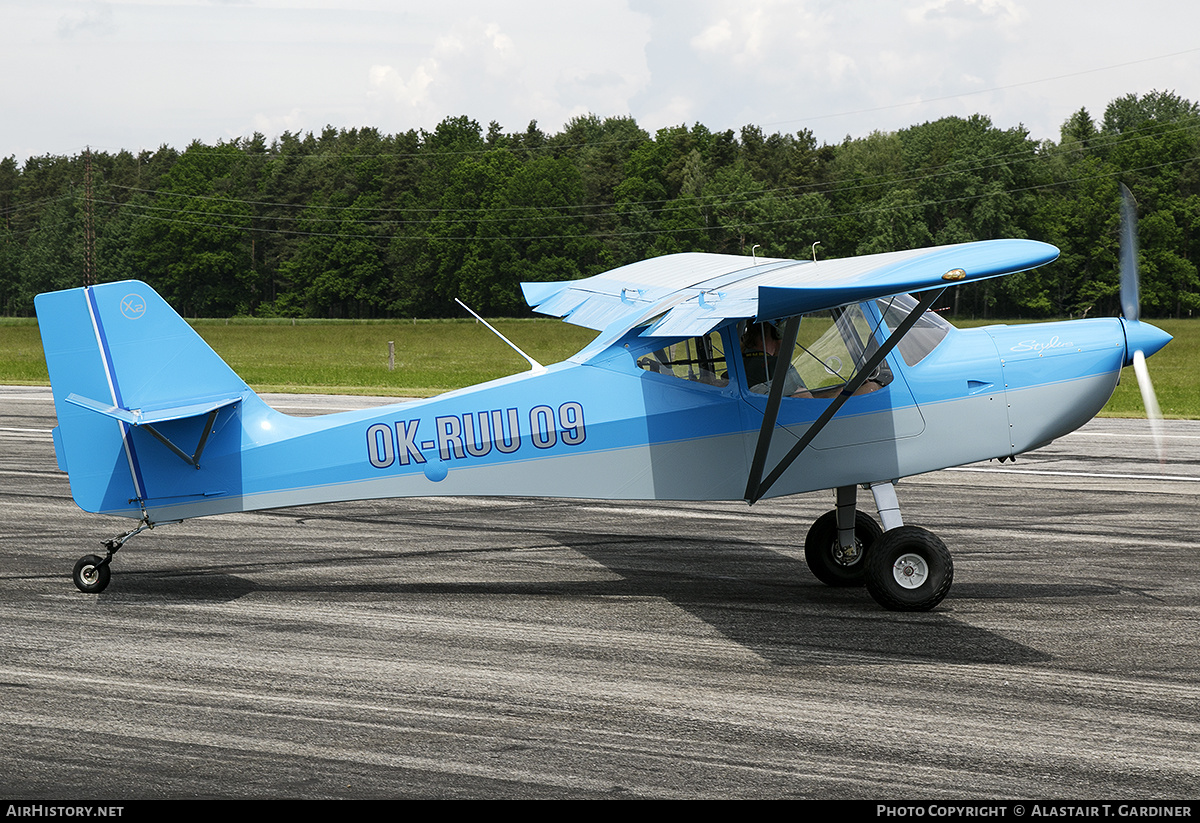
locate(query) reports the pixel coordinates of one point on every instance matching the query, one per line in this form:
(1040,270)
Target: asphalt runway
(519,648)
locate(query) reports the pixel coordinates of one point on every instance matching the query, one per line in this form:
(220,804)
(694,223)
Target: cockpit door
(829,350)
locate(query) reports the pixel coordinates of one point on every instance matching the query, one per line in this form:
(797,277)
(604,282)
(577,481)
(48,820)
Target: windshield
(832,358)
(923,337)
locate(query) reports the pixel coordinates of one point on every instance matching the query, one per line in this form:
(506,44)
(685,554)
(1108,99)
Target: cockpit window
(698,359)
(830,348)
(923,337)
(834,357)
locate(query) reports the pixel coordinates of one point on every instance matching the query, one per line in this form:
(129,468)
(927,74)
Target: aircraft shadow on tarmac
(772,605)
(755,596)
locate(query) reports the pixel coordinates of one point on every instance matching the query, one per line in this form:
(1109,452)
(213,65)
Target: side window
(697,359)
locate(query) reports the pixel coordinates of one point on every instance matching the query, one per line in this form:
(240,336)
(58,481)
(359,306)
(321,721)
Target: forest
(352,223)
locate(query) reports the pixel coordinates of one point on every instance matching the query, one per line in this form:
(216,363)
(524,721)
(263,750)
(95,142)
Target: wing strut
(787,345)
(756,486)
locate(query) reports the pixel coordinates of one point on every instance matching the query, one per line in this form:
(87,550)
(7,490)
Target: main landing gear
(91,573)
(905,568)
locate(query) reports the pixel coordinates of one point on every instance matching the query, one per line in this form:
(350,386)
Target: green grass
(344,357)
(21,361)
(433,356)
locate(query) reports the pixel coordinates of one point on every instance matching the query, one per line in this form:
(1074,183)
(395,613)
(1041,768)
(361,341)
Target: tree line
(353,223)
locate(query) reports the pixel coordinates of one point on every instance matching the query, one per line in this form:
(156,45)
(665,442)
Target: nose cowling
(1142,337)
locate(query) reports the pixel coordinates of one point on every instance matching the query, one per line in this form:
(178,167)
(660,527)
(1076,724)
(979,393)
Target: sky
(138,74)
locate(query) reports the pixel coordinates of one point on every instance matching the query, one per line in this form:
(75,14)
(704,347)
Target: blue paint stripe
(111,373)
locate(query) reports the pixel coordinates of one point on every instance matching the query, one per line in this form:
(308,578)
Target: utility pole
(89,222)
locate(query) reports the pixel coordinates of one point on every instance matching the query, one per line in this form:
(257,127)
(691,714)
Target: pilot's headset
(768,328)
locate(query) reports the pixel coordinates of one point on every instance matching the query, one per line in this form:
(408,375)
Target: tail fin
(139,398)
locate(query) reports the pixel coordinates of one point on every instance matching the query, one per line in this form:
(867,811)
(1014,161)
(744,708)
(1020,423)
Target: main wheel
(825,557)
(909,570)
(90,576)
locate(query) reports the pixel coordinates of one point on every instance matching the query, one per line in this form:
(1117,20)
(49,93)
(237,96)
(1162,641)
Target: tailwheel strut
(92,573)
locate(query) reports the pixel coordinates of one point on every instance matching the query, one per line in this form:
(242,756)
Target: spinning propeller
(1136,340)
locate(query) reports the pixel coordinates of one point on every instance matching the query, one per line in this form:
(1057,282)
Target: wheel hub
(910,570)
(847,556)
(89,575)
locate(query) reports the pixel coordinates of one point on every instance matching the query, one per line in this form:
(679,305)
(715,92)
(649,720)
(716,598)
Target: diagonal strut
(756,486)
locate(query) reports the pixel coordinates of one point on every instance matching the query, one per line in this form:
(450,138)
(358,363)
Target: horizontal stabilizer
(145,417)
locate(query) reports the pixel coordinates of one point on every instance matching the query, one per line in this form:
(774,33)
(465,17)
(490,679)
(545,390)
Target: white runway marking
(1127,435)
(1107,475)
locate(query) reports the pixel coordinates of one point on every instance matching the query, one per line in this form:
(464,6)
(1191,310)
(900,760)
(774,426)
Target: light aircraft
(662,405)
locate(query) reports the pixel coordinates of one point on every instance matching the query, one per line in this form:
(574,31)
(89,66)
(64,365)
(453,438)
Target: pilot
(760,356)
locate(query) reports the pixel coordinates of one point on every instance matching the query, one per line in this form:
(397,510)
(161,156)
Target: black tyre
(909,570)
(825,557)
(90,576)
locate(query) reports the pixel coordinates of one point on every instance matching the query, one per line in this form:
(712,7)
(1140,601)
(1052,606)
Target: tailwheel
(909,569)
(91,574)
(832,564)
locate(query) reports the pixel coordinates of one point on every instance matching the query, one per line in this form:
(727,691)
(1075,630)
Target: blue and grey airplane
(713,377)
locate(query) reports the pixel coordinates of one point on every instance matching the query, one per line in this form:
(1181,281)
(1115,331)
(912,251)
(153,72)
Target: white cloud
(1004,12)
(511,71)
(413,91)
(501,42)
(95,20)
(137,73)
(274,125)
(717,38)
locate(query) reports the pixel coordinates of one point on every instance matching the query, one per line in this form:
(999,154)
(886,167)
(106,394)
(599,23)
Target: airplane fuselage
(601,427)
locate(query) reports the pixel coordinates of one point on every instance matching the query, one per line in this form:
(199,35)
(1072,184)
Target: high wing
(691,294)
